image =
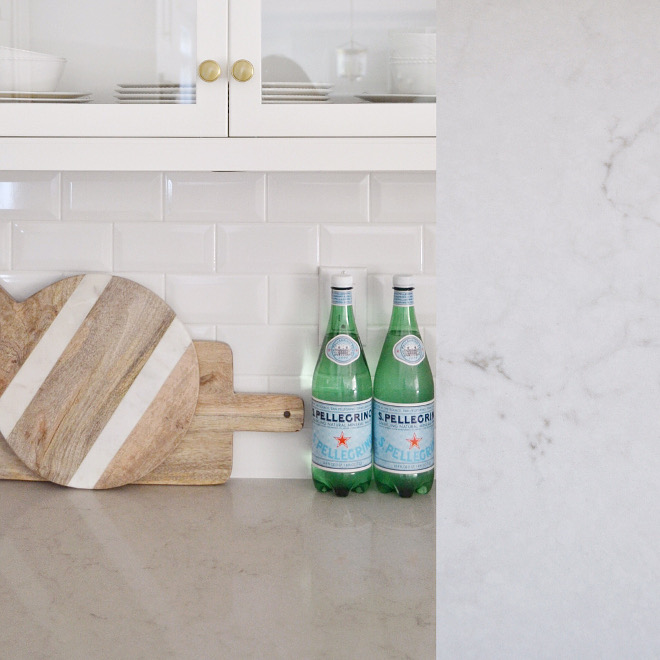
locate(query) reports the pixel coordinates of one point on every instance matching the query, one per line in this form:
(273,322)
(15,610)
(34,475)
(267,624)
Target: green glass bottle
(404,419)
(341,402)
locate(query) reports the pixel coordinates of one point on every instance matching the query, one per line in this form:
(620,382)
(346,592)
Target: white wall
(549,348)
(236,255)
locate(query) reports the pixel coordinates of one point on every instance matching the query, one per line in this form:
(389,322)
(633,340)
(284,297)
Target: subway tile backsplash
(236,255)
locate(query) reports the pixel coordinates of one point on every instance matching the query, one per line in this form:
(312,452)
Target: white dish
(279,67)
(28,74)
(52,100)
(297,85)
(294,97)
(154,101)
(296,92)
(159,92)
(42,95)
(397,98)
(155,97)
(155,86)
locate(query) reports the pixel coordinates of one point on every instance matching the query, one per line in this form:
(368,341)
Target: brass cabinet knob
(242,70)
(209,70)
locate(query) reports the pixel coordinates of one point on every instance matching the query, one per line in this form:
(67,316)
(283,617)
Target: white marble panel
(548,352)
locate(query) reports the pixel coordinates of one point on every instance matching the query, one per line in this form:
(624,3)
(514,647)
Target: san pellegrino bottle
(404,420)
(341,401)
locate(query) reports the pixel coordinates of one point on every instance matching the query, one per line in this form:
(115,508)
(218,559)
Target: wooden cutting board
(98,380)
(205,455)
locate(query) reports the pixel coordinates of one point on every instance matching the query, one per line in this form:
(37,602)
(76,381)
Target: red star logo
(342,440)
(414,441)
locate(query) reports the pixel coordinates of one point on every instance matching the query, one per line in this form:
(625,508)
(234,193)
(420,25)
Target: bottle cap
(403,282)
(342,281)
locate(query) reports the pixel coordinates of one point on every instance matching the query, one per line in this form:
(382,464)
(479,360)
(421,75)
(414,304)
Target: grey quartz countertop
(251,569)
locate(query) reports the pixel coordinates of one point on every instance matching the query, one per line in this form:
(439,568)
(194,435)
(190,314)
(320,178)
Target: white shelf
(219,154)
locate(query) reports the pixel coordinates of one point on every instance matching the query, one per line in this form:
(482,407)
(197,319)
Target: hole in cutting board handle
(287,414)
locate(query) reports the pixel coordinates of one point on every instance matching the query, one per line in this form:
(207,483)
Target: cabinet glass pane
(86,51)
(348,51)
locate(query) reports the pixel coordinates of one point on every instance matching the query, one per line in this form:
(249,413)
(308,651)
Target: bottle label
(404,436)
(342,350)
(409,350)
(341,435)
(342,297)
(403,298)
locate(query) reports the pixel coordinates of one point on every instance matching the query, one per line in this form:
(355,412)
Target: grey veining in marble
(250,569)
(549,333)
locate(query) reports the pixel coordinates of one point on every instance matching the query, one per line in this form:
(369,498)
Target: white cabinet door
(131,68)
(340,68)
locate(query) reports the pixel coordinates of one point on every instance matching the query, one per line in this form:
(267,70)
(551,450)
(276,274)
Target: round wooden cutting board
(98,380)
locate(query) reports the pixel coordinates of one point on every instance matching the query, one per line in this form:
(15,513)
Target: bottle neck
(403,312)
(341,313)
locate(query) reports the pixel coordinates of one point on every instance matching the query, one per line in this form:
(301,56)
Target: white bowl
(27,71)
(412,76)
(412,43)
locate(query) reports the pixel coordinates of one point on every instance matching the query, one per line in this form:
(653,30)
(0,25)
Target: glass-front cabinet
(217,68)
(346,67)
(119,68)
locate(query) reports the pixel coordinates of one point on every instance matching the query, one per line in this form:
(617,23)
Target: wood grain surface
(98,381)
(204,457)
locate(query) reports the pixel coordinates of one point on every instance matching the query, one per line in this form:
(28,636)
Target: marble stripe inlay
(16,398)
(132,407)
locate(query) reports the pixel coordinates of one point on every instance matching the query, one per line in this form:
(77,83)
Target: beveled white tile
(69,246)
(218,299)
(29,195)
(271,350)
(429,233)
(293,299)
(380,249)
(111,196)
(318,197)
(403,197)
(381,297)
(200,332)
(21,286)
(164,247)
(5,245)
(215,196)
(267,248)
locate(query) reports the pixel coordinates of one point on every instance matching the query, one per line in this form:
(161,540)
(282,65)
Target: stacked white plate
(295,92)
(45,97)
(156,93)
